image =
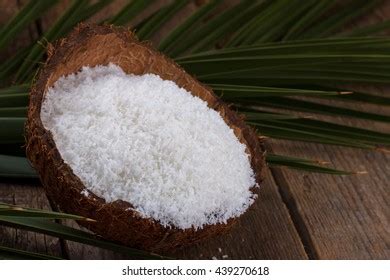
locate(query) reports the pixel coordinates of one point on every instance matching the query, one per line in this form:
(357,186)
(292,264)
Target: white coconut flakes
(144,140)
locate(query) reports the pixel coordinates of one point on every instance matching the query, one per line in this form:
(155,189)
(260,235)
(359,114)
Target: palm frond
(9,66)
(129,12)
(13,112)
(16,167)
(290,132)
(276,24)
(13,100)
(31,11)
(19,211)
(8,253)
(158,19)
(176,36)
(16,89)
(12,130)
(364,98)
(78,11)
(313,107)
(338,17)
(260,65)
(210,28)
(230,20)
(243,92)
(58,230)
(311,16)
(369,30)
(304,164)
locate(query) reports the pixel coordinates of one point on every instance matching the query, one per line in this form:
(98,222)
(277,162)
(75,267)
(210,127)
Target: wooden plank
(27,195)
(78,251)
(266,232)
(340,217)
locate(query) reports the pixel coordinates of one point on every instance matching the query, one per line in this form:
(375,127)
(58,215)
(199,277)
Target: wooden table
(297,216)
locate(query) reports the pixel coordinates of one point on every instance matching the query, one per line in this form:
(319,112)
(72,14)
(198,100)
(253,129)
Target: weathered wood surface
(345,217)
(30,196)
(298,215)
(265,232)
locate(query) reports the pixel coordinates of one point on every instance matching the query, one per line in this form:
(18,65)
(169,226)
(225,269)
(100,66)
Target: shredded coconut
(144,140)
(85,193)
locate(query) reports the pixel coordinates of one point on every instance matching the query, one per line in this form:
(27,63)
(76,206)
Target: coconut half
(91,46)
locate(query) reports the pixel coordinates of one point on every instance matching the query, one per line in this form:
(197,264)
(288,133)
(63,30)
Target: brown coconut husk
(90,45)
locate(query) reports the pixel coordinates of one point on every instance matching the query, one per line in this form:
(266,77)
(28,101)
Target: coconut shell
(91,45)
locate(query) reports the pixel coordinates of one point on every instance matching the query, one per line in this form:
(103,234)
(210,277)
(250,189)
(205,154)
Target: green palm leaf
(364,98)
(9,66)
(31,11)
(68,233)
(12,130)
(78,11)
(16,89)
(18,112)
(242,92)
(176,36)
(264,74)
(13,100)
(129,12)
(275,27)
(313,107)
(158,19)
(15,254)
(16,167)
(340,17)
(19,211)
(369,30)
(211,28)
(277,130)
(318,8)
(304,164)
(230,20)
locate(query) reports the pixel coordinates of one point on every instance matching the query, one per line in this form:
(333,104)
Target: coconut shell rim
(35,128)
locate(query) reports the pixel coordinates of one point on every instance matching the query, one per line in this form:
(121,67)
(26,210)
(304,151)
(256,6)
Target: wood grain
(265,232)
(340,217)
(343,217)
(78,251)
(30,196)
